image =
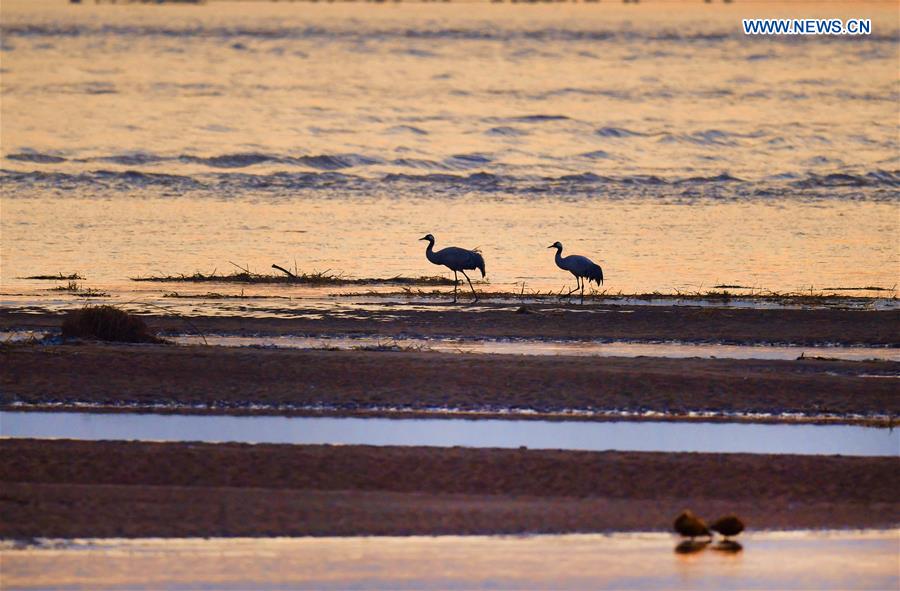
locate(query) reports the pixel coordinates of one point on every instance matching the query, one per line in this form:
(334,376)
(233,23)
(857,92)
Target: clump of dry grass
(57,277)
(73,288)
(391,346)
(315,278)
(107,323)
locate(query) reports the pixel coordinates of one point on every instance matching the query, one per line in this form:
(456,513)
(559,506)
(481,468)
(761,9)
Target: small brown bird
(730,525)
(690,526)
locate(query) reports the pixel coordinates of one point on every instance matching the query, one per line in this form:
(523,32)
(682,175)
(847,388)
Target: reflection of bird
(691,546)
(581,267)
(730,525)
(690,526)
(728,546)
(456,259)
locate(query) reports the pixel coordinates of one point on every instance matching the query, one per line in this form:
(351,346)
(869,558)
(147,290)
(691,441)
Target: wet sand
(563,321)
(220,379)
(129,489)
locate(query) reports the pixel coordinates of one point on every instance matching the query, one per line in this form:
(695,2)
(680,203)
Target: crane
(457,260)
(581,267)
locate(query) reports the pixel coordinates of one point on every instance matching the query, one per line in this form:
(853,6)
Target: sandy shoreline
(349,382)
(590,322)
(130,489)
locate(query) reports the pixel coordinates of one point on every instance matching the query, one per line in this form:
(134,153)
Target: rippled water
(656,138)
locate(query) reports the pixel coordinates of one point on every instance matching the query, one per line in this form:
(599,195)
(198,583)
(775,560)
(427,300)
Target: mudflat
(287,381)
(806,326)
(80,489)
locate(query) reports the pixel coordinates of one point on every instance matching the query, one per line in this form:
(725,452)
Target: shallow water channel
(801,439)
(765,560)
(538,347)
(675,350)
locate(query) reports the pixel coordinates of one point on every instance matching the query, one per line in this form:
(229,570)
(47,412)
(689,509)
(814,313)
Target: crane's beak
(552,246)
(424,238)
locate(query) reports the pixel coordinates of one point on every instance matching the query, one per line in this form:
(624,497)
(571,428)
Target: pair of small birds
(690,526)
(460,260)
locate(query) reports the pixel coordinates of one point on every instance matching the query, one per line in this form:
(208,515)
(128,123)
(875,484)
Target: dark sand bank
(589,322)
(348,382)
(76,489)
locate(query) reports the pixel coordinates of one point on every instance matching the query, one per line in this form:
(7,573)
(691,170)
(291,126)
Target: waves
(475,32)
(37,158)
(592,170)
(250,159)
(505,131)
(539,118)
(878,185)
(425,103)
(619,132)
(875,178)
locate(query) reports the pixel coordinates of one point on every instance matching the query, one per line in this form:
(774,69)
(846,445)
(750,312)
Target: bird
(728,526)
(457,260)
(581,267)
(690,526)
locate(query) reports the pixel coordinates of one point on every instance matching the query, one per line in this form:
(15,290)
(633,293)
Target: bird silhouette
(581,267)
(690,526)
(457,260)
(728,526)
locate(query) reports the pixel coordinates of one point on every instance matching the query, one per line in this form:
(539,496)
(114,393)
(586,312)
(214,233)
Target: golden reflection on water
(642,246)
(167,95)
(97,97)
(305,88)
(770,560)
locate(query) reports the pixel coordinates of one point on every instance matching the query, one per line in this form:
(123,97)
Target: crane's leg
(455,285)
(582,291)
(475,295)
(577,285)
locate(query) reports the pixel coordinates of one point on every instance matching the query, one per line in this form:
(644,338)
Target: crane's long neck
(559,255)
(429,252)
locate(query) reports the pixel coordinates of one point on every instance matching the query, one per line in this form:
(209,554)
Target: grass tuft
(391,346)
(73,288)
(57,277)
(316,278)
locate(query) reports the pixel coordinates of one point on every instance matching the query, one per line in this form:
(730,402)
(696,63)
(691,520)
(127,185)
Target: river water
(847,440)
(656,139)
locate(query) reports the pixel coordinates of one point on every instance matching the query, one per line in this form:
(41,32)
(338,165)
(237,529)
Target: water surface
(655,138)
(768,560)
(538,347)
(573,435)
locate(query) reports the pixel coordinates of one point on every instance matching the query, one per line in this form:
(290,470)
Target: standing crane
(457,260)
(581,267)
